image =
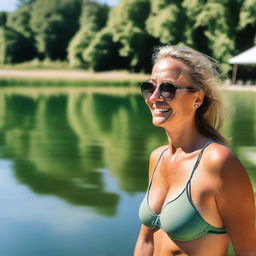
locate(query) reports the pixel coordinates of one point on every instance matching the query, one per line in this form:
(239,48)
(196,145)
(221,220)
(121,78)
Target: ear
(199,98)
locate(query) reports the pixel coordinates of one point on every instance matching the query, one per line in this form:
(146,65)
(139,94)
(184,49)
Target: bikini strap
(199,158)
(194,168)
(151,178)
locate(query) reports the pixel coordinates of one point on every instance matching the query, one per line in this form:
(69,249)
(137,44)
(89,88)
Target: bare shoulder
(234,197)
(217,156)
(154,156)
(222,162)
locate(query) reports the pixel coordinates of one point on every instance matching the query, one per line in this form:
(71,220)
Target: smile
(161,110)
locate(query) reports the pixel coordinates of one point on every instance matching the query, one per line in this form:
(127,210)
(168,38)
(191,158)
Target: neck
(184,139)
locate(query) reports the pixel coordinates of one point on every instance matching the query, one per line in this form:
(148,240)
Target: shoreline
(70,75)
(81,78)
(121,91)
(237,87)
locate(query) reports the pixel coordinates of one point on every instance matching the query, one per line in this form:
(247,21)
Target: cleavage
(166,186)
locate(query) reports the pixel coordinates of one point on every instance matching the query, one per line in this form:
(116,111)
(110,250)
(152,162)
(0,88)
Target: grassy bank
(48,77)
(10,77)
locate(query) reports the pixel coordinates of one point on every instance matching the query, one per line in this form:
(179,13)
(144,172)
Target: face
(181,109)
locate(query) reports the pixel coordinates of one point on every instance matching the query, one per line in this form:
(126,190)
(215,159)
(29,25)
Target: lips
(161,110)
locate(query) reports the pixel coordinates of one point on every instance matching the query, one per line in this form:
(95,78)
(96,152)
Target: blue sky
(7,5)
(10,5)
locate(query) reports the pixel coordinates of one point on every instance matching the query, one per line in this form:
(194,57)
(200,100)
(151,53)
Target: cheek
(188,107)
(184,107)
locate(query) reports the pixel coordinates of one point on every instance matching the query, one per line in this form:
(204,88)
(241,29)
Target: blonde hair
(205,74)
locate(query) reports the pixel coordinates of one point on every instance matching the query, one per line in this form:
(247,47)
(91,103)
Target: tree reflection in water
(59,143)
(92,149)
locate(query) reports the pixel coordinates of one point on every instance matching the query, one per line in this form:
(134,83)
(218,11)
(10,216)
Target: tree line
(95,36)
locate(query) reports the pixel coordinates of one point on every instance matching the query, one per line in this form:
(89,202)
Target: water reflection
(65,139)
(114,127)
(91,150)
(59,143)
(241,123)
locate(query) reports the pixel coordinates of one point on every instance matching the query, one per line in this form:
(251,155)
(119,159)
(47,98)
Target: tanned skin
(220,189)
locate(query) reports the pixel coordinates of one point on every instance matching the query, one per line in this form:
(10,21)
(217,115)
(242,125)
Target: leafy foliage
(20,20)
(248,21)
(54,24)
(248,13)
(3,18)
(14,47)
(16,40)
(99,37)
(135,11)
(102,53)
(164,22)
(135,45)
(94,15)
(127,23)
(93,18)
(221,42)
(77,45)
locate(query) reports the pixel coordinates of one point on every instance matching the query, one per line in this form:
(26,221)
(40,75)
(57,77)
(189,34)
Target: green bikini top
(179,217)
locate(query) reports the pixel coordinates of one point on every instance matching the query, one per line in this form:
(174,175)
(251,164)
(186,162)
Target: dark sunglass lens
(167,91)
(147,89)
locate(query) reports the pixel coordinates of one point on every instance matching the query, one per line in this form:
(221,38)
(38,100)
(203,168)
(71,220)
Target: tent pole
(234,73)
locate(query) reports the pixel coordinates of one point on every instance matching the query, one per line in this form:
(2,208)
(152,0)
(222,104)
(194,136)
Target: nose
(156,96)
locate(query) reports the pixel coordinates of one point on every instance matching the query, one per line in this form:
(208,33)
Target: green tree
(135,45)
(167,21)
(94,15)
(127,23)
(214,16)
(248,13)
(54,24)
(102,53)
(20,20)
(14,47)
(247,24)
(194,34)
(212,26)
(77,45)
(3,18)
(135,11)
(207,25)
(93,18)
(2,25)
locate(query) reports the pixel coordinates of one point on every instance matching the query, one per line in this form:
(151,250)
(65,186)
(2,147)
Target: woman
(199,195)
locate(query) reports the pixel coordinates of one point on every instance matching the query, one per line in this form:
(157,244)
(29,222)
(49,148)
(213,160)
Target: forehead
(170,69)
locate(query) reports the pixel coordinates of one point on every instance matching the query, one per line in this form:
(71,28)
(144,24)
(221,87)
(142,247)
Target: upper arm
(235,201)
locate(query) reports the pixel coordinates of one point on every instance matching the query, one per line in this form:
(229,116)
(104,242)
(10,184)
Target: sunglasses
(167,90)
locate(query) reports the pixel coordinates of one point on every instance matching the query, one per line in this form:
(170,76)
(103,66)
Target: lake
(73,167)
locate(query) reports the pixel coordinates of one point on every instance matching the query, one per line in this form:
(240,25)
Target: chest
(170,180)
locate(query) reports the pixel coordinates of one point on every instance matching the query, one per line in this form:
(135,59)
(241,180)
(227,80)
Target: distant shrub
(76,47)
(102,53)
(14,47)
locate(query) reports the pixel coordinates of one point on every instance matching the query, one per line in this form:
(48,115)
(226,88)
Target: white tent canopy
(244,58)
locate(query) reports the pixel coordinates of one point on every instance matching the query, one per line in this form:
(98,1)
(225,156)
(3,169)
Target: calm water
(73,168)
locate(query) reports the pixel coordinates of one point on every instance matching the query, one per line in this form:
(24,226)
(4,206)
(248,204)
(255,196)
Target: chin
(159,121)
